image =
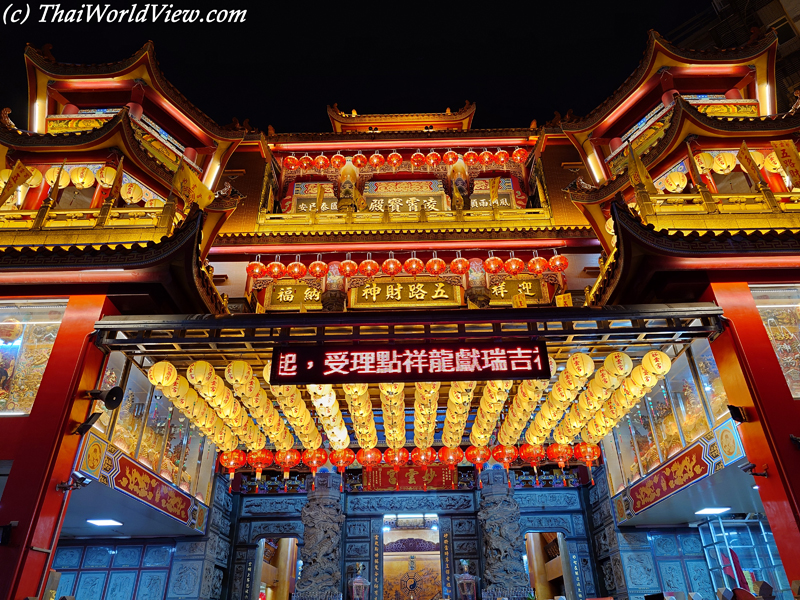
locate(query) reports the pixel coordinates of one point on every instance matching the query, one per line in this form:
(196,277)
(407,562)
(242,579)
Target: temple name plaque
(524,359)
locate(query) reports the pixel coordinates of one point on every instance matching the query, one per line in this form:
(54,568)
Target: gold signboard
(405,292)
(291,295)
(533,289)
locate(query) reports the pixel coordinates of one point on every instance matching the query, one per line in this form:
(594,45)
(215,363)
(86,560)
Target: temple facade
(405,359)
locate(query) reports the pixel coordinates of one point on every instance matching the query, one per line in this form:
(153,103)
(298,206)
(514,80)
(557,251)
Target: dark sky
(517,60)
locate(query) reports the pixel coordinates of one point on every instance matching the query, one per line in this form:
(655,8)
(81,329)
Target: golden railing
(495,218)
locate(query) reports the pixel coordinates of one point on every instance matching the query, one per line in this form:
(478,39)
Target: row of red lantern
(413,266)
(535,455)
(395,159)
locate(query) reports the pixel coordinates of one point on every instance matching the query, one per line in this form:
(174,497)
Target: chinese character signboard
(508,194)
(406,292)
(306,198)
(789,158)
(523,359)
(534,290)
(405,196)
(384,478)
(286,294)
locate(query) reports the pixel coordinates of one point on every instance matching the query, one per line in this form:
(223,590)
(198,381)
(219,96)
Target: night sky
(289,59)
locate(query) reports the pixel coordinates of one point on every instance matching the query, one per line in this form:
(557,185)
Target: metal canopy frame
(183,339)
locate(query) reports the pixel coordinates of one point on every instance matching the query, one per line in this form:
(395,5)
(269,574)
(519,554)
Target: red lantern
(459,266)
(318,269)
(396,458)
(392,267)
(587,453)
(287,459)
(377,160)
(559,453)
(533,454)
(418,159)
(256,269)
(306,162)
(368,268)
(471,158)
(232,460)
(435,266)
(538,266)
(276,270)
(314,459)
(519,155)
(450,157)
(514,266)
(342,459)
(493,264)
(296,270)
(259,460)
(348,268)
(451,457)
(559,263)
(501,157)
(338,161)
(369,458)
(478,457)
(395,159)
(322,162)
(486,158)
(505,455)
(423,457)
(360,161)
(433,159)
(291,163)
(413,266)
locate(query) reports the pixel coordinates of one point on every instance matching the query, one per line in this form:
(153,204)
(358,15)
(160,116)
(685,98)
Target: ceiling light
(104,522)
(713,511)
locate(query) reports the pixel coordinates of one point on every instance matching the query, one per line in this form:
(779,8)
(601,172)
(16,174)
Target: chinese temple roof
(169,270)
(653,265)
(343,122)
(661,54)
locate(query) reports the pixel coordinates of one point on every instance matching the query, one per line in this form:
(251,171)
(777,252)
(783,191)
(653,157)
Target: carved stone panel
(640,571)
(357,529)
(577,524)
(422,502)
(355,550)
(561,523)
(273,506)
(465,548)
(261,529)
(464,527)
(547,500)
(184,579)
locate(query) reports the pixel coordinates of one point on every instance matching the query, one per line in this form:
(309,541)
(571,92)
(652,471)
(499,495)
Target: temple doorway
(276,572)
(548,565)
(412,560)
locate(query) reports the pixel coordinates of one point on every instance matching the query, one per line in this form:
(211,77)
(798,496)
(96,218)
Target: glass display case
(779,307)
(113,374)
(627,450)
(710,380)
(156,430)
(616,482)
(687,401)
(646,446)
(28,330)
(740,552)
(665,425)
(131,413)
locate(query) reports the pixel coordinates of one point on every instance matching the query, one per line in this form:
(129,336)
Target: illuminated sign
(420,362)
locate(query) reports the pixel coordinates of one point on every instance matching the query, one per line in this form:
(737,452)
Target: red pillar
(774,181)
(46,452)
(753,379)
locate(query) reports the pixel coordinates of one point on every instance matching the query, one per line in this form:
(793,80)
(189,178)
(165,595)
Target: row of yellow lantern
(359,404)
(426,403)
(495,394)
(299,417)
(323,397)
(393,409)
(528,395)
(722,164)
(455,419)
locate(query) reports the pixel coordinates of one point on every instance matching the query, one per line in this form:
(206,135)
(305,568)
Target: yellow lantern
(213,389)
(178,389)
(186,403)
(81,177)
(199,410)
(758,158)
(598,391)
(238,372)
(354,389)
(657,363)
(605,379)
(248,389)
(724,163)
(105,176)
(35,180)
(629,388)
(772,164)
(569,381)
(10,330)
(4,176)
(200,373)
(644,379)
(704,162)
(580,365)
(162,374)
(51,174)
(618,364)
(131,193)
(154,203)
(267,371)
(675,182)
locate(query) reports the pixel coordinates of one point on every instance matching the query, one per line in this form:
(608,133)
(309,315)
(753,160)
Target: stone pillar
(503,544)
(200,564)
(322,518)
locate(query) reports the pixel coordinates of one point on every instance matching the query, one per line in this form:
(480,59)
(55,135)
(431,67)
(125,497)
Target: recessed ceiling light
(103,522)
(713,511)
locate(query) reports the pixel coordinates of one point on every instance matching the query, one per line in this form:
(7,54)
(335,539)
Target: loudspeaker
(111,398)
(738,413)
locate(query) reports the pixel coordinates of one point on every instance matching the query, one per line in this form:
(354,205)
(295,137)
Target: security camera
(77,481)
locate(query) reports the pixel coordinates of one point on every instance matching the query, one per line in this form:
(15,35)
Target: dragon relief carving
(503,544)
(322,519)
